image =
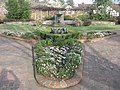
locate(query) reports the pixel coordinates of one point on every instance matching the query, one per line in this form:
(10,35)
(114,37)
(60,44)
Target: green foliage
(68,17)
(103,2)
(87,23)
(29,35)
(24,9)
(100,7)
(70,2)
(118,20)
(83,17)
(62,1)
(12,7)
(18,9)
(44,33)
(49,18)
(98,34)
(58,65)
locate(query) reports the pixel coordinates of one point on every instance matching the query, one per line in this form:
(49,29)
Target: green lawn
(26,27)
(95,27)
(23,27)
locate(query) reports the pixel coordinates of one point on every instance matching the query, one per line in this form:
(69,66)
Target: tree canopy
(99,9)
(70,2)
(18,9)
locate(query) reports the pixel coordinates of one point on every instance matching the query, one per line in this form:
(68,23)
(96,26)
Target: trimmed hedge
(43,33)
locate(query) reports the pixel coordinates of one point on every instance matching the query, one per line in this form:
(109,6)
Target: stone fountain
(58,24)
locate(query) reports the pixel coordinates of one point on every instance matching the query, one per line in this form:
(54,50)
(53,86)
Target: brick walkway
(101,67)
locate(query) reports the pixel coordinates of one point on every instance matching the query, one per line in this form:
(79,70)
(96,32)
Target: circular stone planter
(55,83)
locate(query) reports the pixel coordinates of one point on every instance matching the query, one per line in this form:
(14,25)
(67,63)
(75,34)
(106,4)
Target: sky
(83,1)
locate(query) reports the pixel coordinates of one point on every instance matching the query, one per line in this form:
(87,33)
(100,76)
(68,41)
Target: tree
(70,2)
(62,1)
(12,7)
(99,9)
(18,9)
(118,18)
(24,9)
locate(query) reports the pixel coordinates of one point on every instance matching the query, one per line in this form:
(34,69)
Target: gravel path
(101,67)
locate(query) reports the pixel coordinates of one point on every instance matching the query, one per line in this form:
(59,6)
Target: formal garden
(57,41)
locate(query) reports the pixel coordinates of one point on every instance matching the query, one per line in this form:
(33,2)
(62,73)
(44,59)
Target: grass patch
(23,27)
(26,27)
(95,27)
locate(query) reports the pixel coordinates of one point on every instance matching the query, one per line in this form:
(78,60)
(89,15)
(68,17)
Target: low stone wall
(69,22)
(66,22)
(47,22)
(20,22)
(102,23)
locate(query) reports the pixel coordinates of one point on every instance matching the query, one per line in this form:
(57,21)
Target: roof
(47,8)
(82,7)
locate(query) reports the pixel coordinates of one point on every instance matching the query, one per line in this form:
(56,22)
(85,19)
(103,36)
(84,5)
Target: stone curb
(95,39)
(31,41)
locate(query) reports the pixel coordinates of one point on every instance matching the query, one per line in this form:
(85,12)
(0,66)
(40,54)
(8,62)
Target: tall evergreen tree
(18,9)
(12,7)
(62,2)
(24,9)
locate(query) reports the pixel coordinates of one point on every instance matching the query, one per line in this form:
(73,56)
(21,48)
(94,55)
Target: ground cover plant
(42,32)
(58,59)
(26,27)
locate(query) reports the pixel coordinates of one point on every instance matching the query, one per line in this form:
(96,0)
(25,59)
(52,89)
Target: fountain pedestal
(58,25)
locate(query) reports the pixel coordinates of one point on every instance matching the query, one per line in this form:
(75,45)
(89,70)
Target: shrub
(43,33)
(118,19)
(68,17)
(98,34)
(12,33)
(59,36)
(87,23)
(83,17)
(98,16)
(29,35)
(18,9)
(58,60)
(49,18)
(1,21)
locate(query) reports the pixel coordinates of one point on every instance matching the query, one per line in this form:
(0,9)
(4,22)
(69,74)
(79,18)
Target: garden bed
(58,64)
(30,41)
(94,36)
